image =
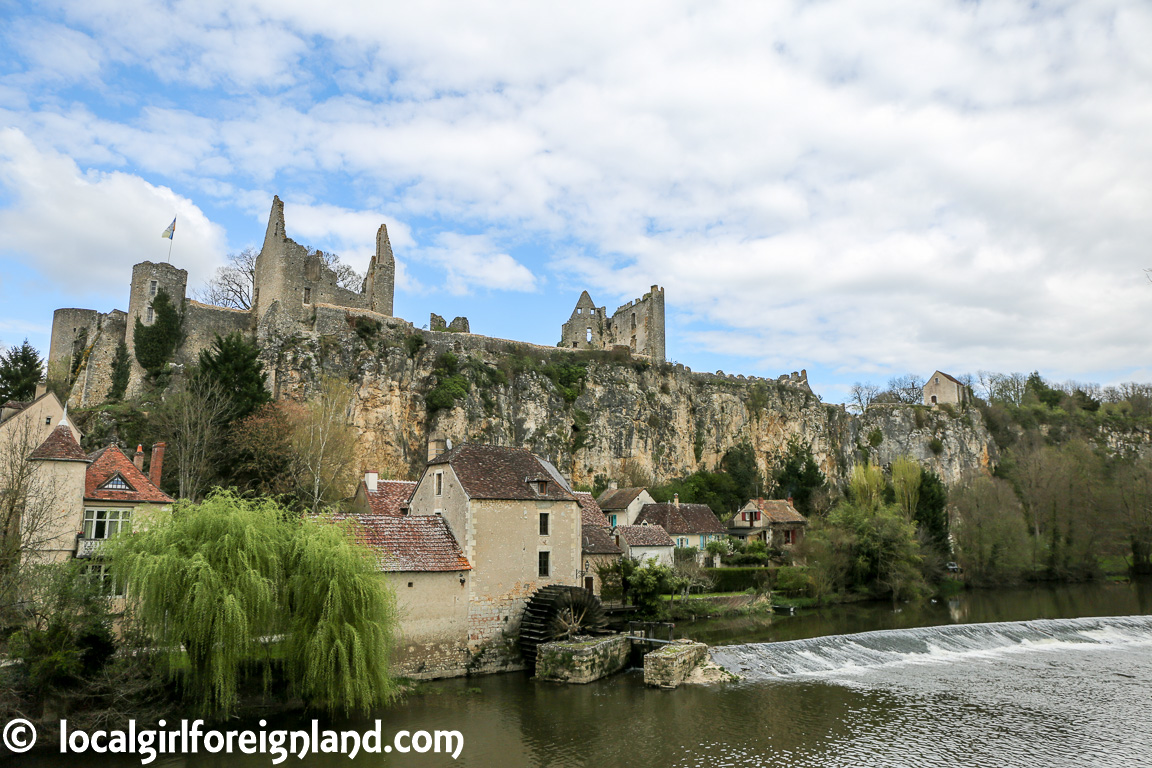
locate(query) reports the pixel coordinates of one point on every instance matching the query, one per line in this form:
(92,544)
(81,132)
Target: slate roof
(413,543)
(618,499)
(590,512)
(773,511)
(389,496)
(60,445)
(497,472)
(680,520)
(597,541)
(109,461)
(644,535)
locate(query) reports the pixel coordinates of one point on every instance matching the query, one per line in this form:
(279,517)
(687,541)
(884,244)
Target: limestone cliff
(626,417)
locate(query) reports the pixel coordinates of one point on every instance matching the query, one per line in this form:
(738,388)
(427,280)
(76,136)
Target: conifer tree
(21,369)
(234,364)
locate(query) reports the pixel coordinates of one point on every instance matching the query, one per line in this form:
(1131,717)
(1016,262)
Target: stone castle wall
(637,326)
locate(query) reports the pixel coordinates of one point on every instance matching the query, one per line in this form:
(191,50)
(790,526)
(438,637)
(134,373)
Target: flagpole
(170,250)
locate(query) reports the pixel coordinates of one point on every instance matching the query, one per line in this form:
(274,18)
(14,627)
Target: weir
(766,661)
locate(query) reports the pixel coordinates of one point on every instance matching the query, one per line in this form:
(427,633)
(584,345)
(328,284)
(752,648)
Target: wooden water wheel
(558,612)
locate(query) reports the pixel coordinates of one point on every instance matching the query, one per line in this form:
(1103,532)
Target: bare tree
(324,444)
(231,285)
(861,396)
(908,388)
(31,500)
(194,421)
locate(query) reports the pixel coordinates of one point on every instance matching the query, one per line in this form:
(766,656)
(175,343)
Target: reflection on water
(1054,704)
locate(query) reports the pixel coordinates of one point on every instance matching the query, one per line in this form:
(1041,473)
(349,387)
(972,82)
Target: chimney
(138,459)
(436,446)
(676,499)
(156,464)
(370,481)
(41,390)
(790,501)
(613,485)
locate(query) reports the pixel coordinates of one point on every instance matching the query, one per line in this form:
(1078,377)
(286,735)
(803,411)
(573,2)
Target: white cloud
(892,185)
(84,230)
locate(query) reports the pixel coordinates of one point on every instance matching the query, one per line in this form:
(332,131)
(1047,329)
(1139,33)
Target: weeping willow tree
(220,584)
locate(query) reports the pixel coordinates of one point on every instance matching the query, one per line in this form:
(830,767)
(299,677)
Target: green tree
(21,369)
(797,476)
(906,483)
(990,530)
(648,584)
(234,364)
(155,343)
(121,369)
(932,509)
(222,578)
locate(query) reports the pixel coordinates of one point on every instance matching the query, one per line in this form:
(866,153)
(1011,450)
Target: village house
(518,525)
(622,505)
(689,525)
(773,521)
(381,497)
(84,499)
(644,543)
(942,388)
(597,548)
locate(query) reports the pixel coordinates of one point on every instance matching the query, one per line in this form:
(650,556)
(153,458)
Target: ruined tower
(380,283)
(638,325)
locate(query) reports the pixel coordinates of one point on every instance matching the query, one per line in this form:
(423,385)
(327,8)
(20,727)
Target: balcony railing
(88,547)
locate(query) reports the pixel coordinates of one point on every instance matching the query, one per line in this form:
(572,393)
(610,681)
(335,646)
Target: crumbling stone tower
(638,325)
(295,278)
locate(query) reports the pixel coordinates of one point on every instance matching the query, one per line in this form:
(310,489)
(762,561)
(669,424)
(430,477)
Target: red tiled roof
(496,472)
(644,535)
(412,543)
(590,512)
(61,445)
(389,496)
(109,461)
(597,541)
(618,499)
(680,520)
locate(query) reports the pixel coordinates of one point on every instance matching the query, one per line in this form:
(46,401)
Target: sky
(860,190)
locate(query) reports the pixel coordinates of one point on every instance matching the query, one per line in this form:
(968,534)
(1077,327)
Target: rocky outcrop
(624,418)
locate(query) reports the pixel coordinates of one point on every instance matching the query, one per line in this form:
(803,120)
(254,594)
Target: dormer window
(540,486)
(117,483)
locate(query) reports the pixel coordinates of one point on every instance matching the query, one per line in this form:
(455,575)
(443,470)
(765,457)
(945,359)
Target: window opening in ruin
(148,316)
(545,560)
(633,321)
(307,295)
(588,336)
(543,523)
(152,288)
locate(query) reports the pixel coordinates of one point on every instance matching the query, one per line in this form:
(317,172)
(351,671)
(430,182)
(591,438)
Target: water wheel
(558,612)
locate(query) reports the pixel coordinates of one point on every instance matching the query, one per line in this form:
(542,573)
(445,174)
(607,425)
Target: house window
(682,541)
(545,563)
(789,537)
(307,295)
(937,379)
(612,520)
(148,316)
(439,483)
(47,421)
(152,288)
(543,523)
(101,576)
(118,483)
(105,523)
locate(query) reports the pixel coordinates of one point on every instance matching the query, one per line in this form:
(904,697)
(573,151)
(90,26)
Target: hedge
(740,579)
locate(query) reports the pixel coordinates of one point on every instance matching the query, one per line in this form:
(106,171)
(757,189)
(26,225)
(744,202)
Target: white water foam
(947,644)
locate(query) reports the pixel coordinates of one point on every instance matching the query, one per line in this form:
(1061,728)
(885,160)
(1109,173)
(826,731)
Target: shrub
(936,446)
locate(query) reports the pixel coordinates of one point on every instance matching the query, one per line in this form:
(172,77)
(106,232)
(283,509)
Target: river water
(1037,677)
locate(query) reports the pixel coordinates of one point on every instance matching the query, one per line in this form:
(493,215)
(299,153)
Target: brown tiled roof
(644,535)
(682,519)
(61,445)
(590,512)
(412,543)
(109,461)
(619,498)
(496,472)
(390,495)
(775,511)
(597,541)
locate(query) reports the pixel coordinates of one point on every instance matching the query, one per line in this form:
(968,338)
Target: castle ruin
(293,291)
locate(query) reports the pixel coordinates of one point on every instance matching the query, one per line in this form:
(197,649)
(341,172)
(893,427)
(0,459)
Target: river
(1032,677)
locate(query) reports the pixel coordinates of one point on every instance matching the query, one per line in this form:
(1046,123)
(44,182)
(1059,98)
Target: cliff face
(626,418)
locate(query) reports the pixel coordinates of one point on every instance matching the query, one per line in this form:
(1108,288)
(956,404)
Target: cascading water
(764,661)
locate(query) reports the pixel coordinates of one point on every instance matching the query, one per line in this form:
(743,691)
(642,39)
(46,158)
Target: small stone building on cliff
(942,388)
